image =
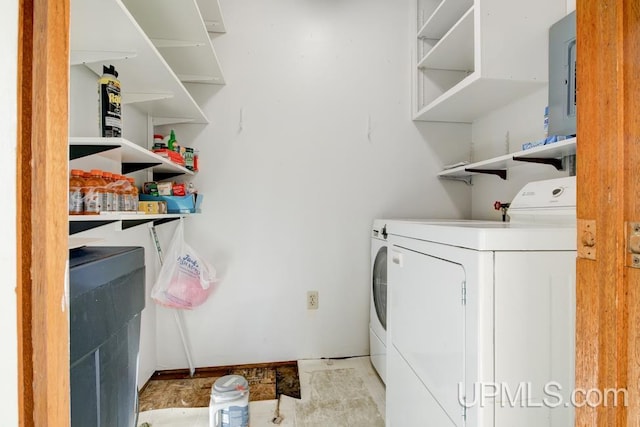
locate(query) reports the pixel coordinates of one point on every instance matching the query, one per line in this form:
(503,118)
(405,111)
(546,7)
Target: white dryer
(482,316)
(378,300)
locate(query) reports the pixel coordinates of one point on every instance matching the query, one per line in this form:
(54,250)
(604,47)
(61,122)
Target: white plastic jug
(229,405)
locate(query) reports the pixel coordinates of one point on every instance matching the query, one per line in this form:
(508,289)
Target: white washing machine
(378,300)
(482,316)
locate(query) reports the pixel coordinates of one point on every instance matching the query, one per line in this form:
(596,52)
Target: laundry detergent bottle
(229,406)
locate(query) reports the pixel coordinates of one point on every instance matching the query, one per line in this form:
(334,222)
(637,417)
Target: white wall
(292,189)
(8,123)
(504,131)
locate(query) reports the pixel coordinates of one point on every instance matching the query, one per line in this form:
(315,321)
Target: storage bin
(177,204)
(106,299)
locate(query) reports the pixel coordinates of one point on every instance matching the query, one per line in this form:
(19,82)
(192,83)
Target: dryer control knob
(396,258)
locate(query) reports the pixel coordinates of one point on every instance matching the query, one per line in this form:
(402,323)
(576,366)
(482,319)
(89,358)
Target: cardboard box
(153,207)
(177,204)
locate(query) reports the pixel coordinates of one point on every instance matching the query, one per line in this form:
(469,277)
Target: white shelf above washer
(454,51)
(555,151)
(473,97)
(104,33)
(443,17)
(486,55)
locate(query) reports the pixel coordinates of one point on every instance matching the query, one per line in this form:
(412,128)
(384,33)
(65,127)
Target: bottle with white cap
(229,405)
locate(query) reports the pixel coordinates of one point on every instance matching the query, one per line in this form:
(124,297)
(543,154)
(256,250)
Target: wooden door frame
(41,220)
(608,318)
(607,290)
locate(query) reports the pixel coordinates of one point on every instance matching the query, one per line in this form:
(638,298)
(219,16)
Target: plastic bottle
(108,203)
(113,185)
(134,195)
(94,189)
(110,118)
(123,186)
(188,158)
(172,141)
(76,192)
(191,189)
(121,193)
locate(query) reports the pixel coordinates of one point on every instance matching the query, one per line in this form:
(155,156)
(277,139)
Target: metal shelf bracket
(466,179)
(78,151)
(502,173)
(556,163)
(159,176)
(78,226)
(134,167)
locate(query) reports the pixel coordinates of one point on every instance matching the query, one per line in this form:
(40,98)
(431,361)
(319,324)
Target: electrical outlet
(312,300)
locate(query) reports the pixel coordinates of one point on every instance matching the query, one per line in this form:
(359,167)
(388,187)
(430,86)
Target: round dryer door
(379,290)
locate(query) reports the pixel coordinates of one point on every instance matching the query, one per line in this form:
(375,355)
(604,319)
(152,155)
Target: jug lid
(230,386)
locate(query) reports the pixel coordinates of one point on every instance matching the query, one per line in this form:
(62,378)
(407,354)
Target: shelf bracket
(78,151)
(214,26)
(164,220)
(159,121)
(129,223)
(556,163)
(200,78)
(465,179)
(168,43)
(502,173)
(134,167)
(79,57)
(78,226)
(135,97)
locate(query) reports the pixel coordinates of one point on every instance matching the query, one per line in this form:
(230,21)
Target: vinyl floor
(336,393)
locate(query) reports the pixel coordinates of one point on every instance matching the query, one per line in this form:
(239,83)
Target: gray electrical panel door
(562,76)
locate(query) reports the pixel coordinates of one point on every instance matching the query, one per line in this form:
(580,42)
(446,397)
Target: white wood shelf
(556,150)
(131,157)
(79,57)
(123,216)
(443,18)
(125,220)
(212,16)
(105,32)
(454,51)
(186,46)
(130,152)
(488,54)
(473,97)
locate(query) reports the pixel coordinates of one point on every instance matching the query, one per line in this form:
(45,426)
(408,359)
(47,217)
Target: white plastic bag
(185,279)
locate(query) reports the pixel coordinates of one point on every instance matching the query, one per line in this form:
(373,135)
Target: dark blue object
(106,297)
